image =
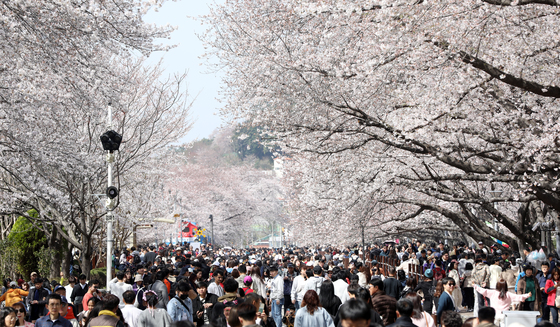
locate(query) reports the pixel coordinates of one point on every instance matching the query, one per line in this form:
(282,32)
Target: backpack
(136,259)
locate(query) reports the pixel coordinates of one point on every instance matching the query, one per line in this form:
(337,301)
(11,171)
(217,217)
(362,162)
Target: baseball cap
(247,280)
(480,243)
(59,287)
(429,273)
(33,273)
(63,299)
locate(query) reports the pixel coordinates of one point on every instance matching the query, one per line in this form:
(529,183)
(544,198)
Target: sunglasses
(20,310)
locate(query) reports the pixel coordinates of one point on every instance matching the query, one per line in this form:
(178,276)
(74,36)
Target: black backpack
(137,259)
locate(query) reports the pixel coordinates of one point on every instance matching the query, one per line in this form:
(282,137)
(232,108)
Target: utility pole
(108,204)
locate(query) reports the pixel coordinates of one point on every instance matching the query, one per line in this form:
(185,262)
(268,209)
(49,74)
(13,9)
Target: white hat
(216,263)
(310,264)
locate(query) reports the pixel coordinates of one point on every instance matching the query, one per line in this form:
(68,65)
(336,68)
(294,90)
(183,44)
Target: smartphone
(261,308)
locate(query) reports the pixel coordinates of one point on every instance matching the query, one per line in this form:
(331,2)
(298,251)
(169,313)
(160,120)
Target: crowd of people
(295,287)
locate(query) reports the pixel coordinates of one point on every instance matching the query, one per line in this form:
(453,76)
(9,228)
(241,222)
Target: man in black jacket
(37,298)
(404,311)
(203,305)
(78,292)
(391,285)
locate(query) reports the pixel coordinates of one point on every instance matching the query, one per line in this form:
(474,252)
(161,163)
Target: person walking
(419,317)
(382,303)
(311,313)
(480,276)
(117,286)
(215,287)
(129,311)
(452,272)
(13,295)
(160,289)
(8,317)
(54,303)
(328,299)
(500,298)
(21,313)
(446,302)
(296,293)
(426,285)
(276,286)
(108,316)
(180,307)
(529,284)
(405,310)
(543,276)
(551,289)
(37,300)
(391,285)
(78,293)
(153,316)
(203,305)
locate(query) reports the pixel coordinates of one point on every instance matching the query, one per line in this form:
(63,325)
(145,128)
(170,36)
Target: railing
(416,271)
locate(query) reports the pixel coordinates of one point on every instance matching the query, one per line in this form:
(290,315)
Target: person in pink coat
(550,288)
(500,298)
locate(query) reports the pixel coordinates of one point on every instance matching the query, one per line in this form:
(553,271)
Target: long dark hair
(311,301)
(327,297)
(416,305)
(555,271)
(439,289)
(151,299)
(94,312)
(502,287)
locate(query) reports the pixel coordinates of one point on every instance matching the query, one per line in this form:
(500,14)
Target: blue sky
(185,57)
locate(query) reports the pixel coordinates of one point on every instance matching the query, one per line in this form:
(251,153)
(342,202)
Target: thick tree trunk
(67,261)
(58,251)
(86,256)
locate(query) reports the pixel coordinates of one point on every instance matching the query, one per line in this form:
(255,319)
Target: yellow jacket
(13,296)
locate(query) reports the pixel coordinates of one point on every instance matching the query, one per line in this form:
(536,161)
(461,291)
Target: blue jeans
(297,305)
(554,313)
(276,312)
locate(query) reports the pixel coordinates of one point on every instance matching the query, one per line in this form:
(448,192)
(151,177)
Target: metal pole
(109,217)
(212,227)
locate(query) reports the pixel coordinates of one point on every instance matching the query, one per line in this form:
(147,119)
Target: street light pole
(108,204)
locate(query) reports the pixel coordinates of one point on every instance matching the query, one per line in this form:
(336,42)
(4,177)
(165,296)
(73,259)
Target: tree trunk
(86,256)
(67,261)
(55,246)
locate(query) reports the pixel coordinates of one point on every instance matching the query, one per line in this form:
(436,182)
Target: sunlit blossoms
(443,112)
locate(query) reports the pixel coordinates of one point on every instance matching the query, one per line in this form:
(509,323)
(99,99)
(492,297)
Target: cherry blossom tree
(64,62)
(212,180)
(431,107)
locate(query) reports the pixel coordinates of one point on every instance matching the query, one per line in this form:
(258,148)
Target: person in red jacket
(551,288)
